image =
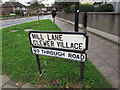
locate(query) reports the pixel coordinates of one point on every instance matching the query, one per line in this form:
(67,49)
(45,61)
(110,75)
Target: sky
(25,1)
(52,1)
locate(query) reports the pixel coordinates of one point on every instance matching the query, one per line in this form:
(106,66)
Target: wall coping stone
(104,13)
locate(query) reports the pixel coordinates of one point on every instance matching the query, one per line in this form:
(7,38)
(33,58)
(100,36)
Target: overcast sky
(52,1)
(24,1)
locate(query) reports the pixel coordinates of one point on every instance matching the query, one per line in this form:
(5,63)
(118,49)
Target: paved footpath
(7,83)
(102,53)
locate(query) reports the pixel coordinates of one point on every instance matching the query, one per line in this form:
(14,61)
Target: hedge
(92,8)
(84,8)
(105,8)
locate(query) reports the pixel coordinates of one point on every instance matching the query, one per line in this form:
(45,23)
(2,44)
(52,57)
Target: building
(11,7)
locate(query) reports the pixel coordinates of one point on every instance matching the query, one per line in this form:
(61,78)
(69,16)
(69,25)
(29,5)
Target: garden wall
(106,22)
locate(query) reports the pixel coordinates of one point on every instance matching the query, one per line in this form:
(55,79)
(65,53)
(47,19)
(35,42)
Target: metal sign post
(38,63)
(76,15)
(76,30)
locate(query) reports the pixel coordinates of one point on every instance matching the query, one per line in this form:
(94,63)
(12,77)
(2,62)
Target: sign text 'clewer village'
(64,41)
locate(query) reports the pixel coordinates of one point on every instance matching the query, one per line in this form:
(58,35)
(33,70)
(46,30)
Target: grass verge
(20,63)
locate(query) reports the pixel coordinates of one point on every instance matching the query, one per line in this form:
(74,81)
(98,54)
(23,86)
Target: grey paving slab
(11,83)
(104,56)
(92,55)
(0,82)
(109,43)
(5,79)
(111,51)
(98,62)
(108,70)
(7,83)
(93,47)
(19,84)
(111,73)
(102,41)
(102,53)
(113,62)
(104,47)
(114,81)
(115,47)
(98,51)
(27,85)
(115,56)
(9,86)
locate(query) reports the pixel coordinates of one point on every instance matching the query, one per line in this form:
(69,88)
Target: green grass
(20,63)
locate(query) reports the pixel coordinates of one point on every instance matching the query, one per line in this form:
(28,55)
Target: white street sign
(59,54)
(58,40)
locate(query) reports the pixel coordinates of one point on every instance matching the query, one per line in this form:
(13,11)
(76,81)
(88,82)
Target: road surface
(11,22)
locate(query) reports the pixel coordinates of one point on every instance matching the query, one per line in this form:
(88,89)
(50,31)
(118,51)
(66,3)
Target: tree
(36,6)
(64,5)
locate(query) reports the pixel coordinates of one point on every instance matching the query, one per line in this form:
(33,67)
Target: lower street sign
(60,54)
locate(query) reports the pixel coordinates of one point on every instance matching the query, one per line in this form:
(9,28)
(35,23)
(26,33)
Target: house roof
(10,4)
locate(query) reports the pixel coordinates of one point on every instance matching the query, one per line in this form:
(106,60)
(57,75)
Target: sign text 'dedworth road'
(59,40)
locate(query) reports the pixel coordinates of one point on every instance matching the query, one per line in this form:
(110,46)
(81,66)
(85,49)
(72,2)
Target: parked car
(12,14)
(43,13)
(49,12)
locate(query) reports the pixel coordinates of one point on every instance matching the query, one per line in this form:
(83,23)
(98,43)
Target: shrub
(72,8)
(87,8)
(105,8)
(67,9)
(84,8)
